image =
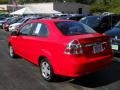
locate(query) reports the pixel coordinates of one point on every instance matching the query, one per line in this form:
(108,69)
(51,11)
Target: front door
(23,38)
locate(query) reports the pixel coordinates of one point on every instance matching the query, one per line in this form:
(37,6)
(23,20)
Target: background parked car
(1,22)
(72,17)
(11,21)
(114,33)
(4,21)
(61,47)
(101,23)
(16,25)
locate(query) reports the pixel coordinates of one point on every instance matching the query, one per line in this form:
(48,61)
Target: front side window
(73,28)
(41,30)
(27,29)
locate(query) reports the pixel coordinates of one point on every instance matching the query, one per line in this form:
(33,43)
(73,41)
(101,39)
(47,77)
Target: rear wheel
(46,70)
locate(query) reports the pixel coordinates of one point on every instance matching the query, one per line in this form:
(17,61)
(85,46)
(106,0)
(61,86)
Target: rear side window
(73,28)
(41,30)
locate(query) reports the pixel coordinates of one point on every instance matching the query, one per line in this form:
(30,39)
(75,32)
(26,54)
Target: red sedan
(61,47)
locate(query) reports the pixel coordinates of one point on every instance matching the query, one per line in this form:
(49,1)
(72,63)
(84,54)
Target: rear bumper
(82,68)
(116,51)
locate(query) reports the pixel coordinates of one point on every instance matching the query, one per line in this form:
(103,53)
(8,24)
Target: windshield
(21,21)
(14,20)
(73,28)
(91,21)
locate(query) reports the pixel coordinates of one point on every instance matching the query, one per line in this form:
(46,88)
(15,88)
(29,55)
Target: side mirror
(14,33)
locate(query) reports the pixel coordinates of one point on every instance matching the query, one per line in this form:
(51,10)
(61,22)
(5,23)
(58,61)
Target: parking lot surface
(19,74)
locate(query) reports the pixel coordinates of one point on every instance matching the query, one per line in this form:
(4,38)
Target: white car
(14,26)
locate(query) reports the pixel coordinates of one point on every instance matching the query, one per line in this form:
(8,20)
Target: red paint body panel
(53,47)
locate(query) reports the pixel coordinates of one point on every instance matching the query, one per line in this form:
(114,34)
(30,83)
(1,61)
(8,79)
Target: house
(65,7)
(3,8)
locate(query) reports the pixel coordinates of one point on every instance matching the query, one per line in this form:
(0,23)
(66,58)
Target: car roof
(71,16)
(49,20)
(91,16)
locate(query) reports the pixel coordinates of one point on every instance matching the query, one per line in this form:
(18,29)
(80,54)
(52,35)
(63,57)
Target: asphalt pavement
(19,74)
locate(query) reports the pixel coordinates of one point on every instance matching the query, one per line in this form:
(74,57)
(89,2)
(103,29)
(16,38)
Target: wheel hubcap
(45,68)
(11,51)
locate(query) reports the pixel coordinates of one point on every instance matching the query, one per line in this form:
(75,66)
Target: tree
(86,1)
(106,5)
(37,1)
(3,1)
(80,1)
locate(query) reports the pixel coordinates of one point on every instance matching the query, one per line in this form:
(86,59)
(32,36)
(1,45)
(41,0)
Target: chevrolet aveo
(61,47)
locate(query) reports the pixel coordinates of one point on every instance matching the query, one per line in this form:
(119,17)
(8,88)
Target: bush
(112,7)
(3,1)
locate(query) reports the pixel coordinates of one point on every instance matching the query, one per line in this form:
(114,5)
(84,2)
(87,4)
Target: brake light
(74,47)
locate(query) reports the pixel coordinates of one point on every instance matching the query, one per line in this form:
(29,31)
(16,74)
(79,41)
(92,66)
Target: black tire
(11,52)
(49,75)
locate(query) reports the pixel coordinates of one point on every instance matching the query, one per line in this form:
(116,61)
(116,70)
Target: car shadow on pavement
(100,78)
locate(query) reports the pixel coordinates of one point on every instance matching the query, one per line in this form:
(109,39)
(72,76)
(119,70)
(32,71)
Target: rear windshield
(74,28)
(92,21)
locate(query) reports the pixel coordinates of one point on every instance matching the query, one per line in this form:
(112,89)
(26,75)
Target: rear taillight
(74,47)
(106,45)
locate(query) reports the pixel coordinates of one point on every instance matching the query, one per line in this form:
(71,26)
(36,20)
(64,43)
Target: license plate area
(115,47)
(97,48)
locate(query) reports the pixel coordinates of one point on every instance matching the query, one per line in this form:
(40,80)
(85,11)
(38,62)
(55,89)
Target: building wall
(3,7)
(40,5)
(61,7)
(12,8)
(71,7)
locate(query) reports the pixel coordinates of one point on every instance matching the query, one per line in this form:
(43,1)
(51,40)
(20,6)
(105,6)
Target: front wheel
(46,70)
(11,52)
